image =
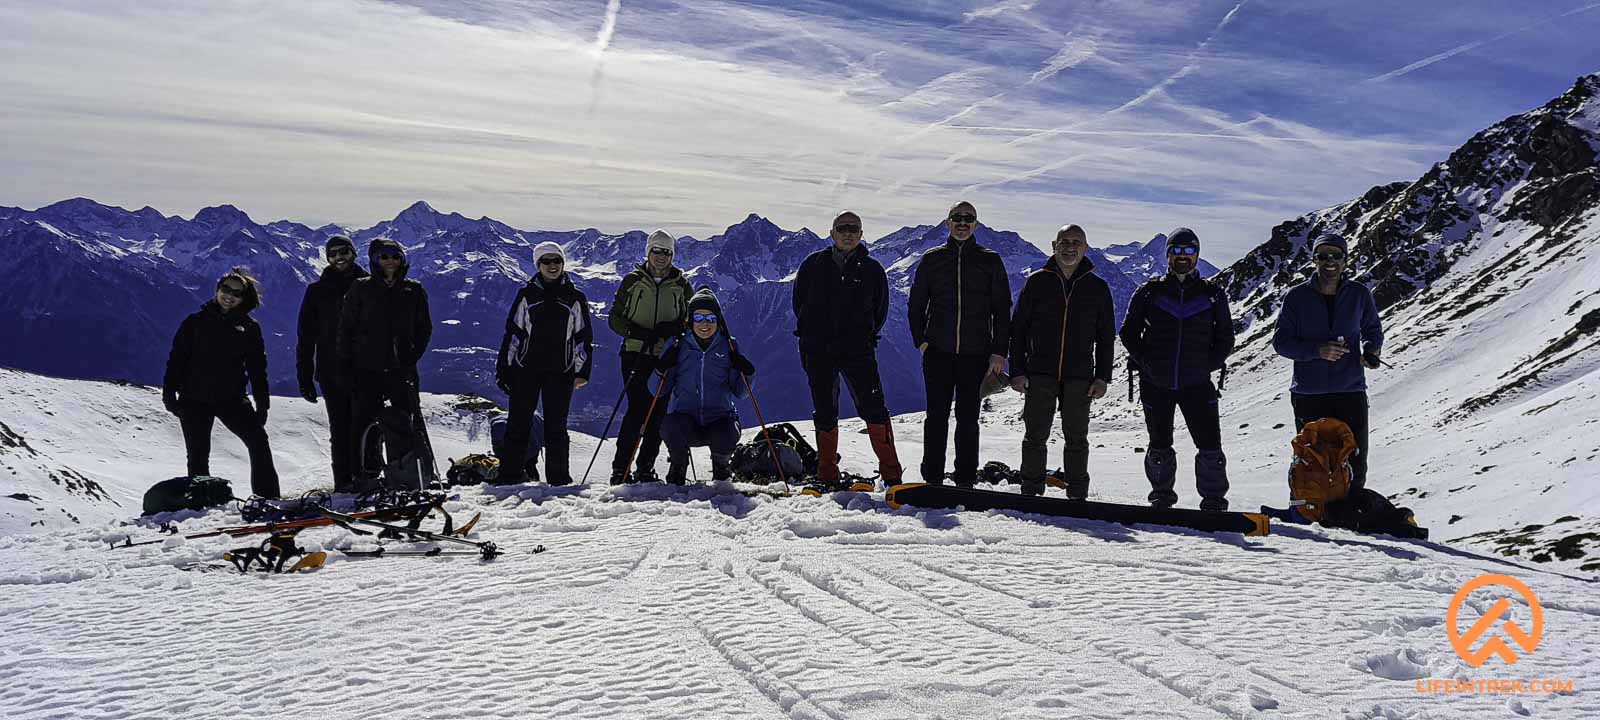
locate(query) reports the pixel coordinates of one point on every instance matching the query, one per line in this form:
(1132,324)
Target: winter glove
(642,334)
(169,398)
(668,358)
(262,403)
(668,329)
(741,363)
(309,392)
(502,382)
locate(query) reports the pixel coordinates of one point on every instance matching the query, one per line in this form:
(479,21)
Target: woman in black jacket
(215,352)
(545,354)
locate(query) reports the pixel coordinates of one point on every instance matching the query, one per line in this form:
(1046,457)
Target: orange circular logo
(1462,642)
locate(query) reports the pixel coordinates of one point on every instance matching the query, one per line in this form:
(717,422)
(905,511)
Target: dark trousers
(241,420)
(1039,406)
(943,375)
(640,396)
(860,374)
(1199,406)
(371,389)
(1349,407)
(337,399)
(556,391)
(681,431)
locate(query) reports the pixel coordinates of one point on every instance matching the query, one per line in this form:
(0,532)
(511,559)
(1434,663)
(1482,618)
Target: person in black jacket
(215,351)
(384,329)
(1178,331)
(1062,338)
(546,353)
(960,317)
(841,299)
(316,356)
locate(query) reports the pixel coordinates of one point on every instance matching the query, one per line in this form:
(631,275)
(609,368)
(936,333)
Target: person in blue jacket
(706,375)
(1329,327)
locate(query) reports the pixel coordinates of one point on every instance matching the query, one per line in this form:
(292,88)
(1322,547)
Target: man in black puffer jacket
(1062,338)
(841,299)
(214,352)
(316,352)
(960,317)
(384,328)
(1178,331)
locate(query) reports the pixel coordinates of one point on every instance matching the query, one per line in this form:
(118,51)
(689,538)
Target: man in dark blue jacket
(1178,331)
(1329,327)
(316,357)
(841,298)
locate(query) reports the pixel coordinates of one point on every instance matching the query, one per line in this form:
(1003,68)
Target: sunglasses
(704,317)
(231,291)
(1329,257)
(1183,250)
(847,229)
(341,252)
(661,251)
(550,260)
(390,256)
(964,218)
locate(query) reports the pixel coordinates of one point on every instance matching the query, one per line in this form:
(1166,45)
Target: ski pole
(776,463)
(603,433)
(626,469)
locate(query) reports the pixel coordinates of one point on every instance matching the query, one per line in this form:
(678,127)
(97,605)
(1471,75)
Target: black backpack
(187,493)
(396,453)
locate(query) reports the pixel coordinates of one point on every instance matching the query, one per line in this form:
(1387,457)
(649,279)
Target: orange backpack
(1320,472)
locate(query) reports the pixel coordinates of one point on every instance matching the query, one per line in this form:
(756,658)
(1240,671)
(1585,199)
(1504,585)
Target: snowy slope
(701,603)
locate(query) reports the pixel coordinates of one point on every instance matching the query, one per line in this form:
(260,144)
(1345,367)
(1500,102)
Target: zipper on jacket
(1177,357)
(958,296)
(1066,302)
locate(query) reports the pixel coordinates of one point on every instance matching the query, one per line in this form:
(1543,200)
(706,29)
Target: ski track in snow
(684,603)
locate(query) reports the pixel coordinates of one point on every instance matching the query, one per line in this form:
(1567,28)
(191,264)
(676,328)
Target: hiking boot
(828,457)
(889,469)
(619,477)
(1078,488)
(677,473)
(1161,469)
(1032,487)
(509,478)
(1214,504)
(645,475)
(721,467)
(1211,479)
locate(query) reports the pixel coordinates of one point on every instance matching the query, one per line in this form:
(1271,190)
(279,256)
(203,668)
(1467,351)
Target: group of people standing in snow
(361,336)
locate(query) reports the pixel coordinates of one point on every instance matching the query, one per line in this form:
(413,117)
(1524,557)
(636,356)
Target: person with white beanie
(651,305)
(545,355)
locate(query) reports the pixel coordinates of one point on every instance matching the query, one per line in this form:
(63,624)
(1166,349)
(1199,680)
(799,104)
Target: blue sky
(1125,117)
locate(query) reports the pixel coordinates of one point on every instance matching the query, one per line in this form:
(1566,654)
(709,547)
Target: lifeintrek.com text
(1437,686)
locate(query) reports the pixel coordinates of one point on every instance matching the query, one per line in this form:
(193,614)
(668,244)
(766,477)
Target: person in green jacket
(651,305)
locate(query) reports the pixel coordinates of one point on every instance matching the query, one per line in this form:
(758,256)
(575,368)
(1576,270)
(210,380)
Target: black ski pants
(1350,407)
(943,375)
(239,418)
(398,386)
(527,390)
(861,378)
(1199,406)
(638,367)
(337,400)
(681,431)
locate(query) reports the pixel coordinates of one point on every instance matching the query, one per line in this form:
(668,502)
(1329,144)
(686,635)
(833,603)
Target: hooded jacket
(316,348)
(383,327)
(840,311)
(1178,332)
(215,353)
(548,330)
(703,382)
(961,300)
(1064,327)
(642,303)
(1305,323)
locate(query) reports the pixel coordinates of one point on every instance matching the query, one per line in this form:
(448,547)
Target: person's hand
(261,410)
(1097,389)
(309,392)
(1019,383)
(668,358)
(502,382)
(1371,360)
(997,365)
(578,383)
(668,329)
(923,348)
(741,363)
(169,398)
(642,334)
(1332,351)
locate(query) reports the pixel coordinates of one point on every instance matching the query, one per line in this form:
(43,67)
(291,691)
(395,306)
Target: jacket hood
(376,247)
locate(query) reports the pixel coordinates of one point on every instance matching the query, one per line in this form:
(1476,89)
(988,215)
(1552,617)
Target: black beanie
(338,241)
(1183,237)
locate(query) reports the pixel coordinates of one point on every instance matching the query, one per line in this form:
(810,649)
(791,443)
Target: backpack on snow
(187,493)
(396,453)
(474,469)
(1320,472)
(752,460)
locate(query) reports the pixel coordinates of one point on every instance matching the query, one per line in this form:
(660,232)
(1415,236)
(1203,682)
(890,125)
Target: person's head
(1183,250)
(1330,253)
(705,314)
(1070,244)
(846,232)
(388,258)
(962,220)
(238,291)
(341,253)
(552,261)
(658,251)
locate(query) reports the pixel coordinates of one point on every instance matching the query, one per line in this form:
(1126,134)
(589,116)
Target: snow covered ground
(704,603)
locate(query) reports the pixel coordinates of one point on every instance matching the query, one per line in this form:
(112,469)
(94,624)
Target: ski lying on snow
(487,550)
(950,496)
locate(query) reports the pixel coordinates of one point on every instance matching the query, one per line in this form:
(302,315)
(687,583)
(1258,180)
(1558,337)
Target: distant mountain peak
(221,214)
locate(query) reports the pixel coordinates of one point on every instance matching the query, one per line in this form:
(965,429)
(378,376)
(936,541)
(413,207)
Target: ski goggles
(1183,250)
(341,252)
(661,251)
(551,260)
(968,218)
(703,317)
(1329,257)
(847,228)
(230,291)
